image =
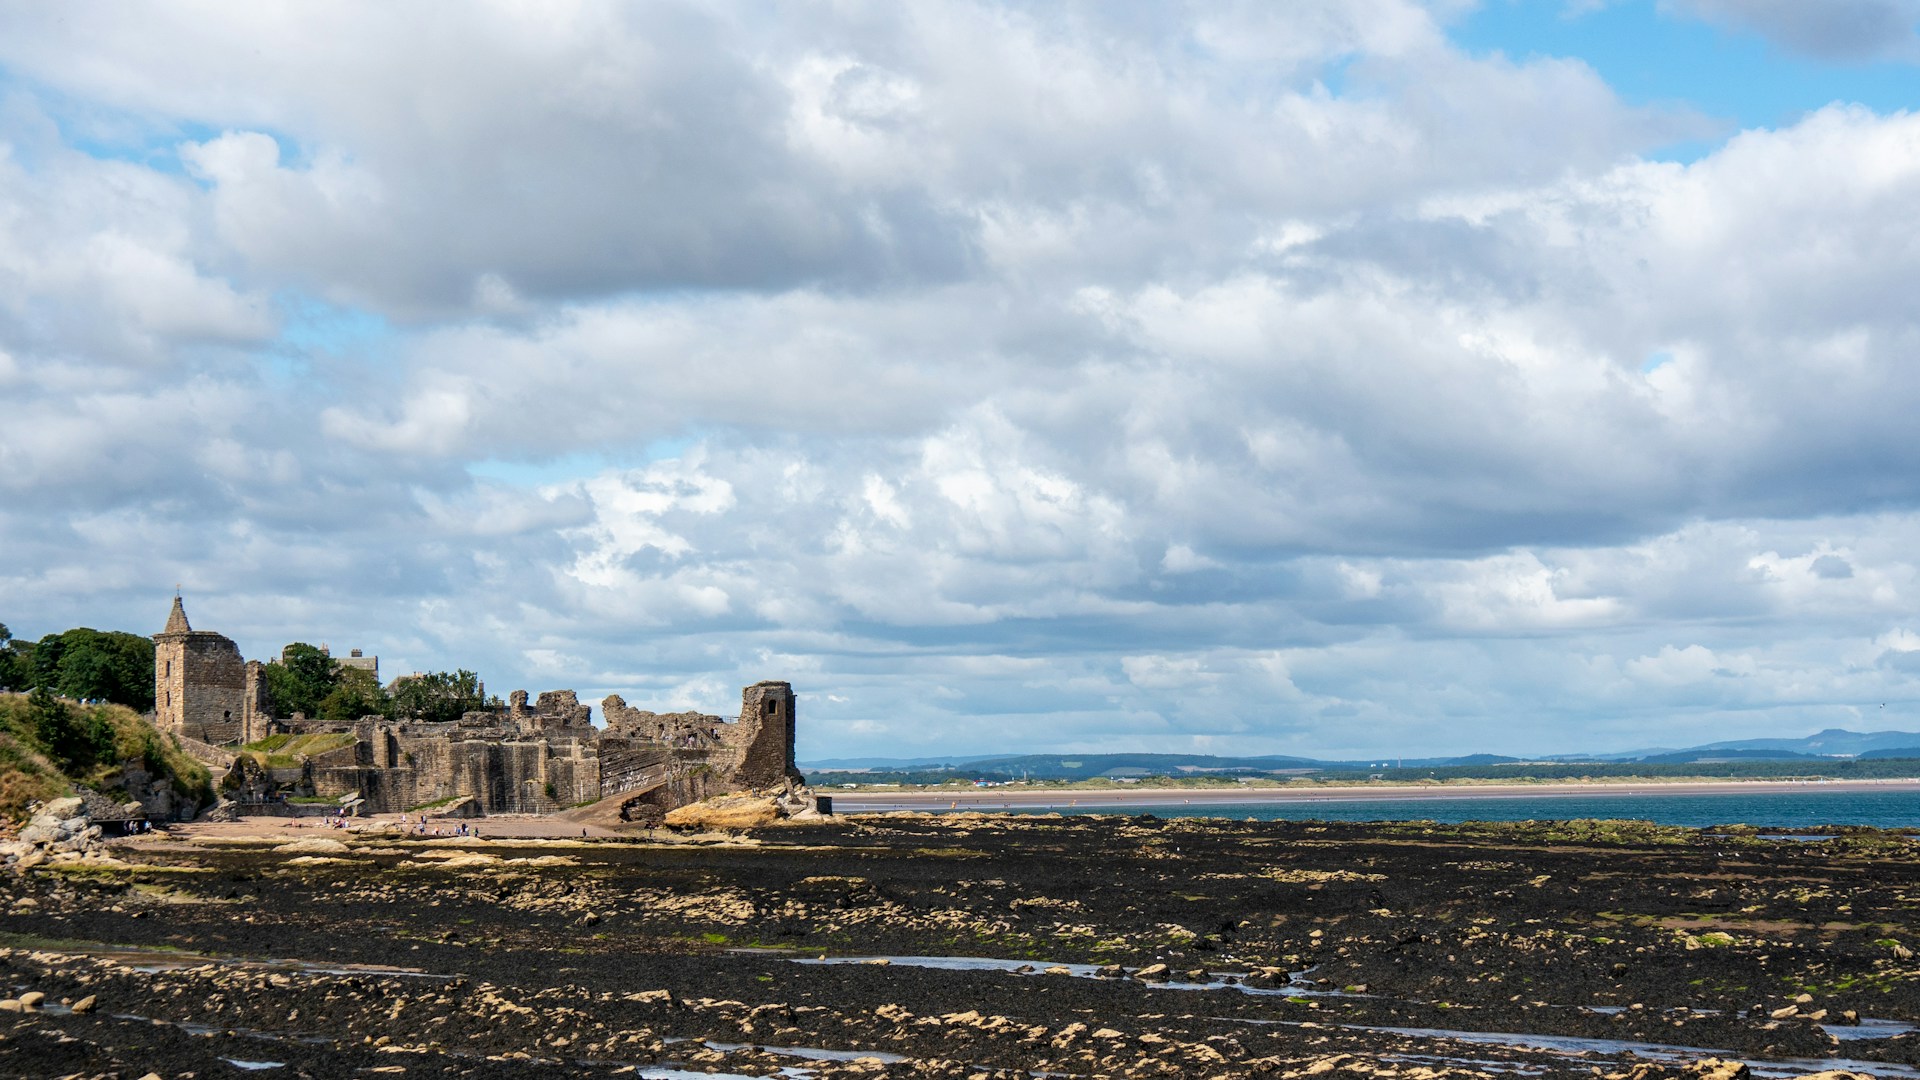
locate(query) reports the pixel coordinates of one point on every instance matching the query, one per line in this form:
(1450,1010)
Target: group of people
(421,829)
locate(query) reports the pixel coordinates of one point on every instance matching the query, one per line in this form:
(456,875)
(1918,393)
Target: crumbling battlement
(687,730)
(524,758)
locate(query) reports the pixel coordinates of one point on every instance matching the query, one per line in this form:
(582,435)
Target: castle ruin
(538,757)
(202,689)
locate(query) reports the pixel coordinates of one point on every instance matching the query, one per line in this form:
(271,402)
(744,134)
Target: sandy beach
(852,802)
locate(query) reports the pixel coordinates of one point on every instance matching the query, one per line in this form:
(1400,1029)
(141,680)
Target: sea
(1765,809)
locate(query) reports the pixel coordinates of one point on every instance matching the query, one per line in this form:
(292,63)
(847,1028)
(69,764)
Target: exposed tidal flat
(1788,804)
(964,945)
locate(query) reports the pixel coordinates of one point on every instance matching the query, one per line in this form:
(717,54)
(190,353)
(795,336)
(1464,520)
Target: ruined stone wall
(759,747)
(631,768)
(256,717)
(543,757)
(301,725)
(504,776)
(387,791)
(343,757)
(467,771)
(513,776)
(335,781)
(709,756)
(205,753)
(686,730)
(529,758)
(430,755)
(169,684)
(574,780)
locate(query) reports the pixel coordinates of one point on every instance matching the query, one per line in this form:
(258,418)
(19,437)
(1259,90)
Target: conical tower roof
(177,621)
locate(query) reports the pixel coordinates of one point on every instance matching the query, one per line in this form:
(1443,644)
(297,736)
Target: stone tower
(765,732)
(201,687)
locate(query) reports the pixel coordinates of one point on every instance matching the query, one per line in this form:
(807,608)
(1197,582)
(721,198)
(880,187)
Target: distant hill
(1085,766)
(1829,743)
(1682,757)
(950,761)
(1823,746)
(1896,752)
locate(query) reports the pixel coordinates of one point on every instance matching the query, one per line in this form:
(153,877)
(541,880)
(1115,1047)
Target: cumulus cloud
(1264,377)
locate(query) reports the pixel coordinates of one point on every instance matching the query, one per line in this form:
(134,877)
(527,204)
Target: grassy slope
(28,772)
(285,751)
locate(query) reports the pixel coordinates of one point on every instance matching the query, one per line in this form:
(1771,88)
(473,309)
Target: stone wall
(429,753)
(762,739)
(205,698)
(532,757)
(560,711)
(398,770)
(512,776)
(202,688)
(624,768)
(205,753)
(256,716)
(671,759)
(684,730)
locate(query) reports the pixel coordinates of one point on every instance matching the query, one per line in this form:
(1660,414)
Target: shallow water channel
(1570,1045)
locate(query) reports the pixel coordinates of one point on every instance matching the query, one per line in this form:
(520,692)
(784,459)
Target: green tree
(356,693)
(16,661)
(75,740)
(300,680)
(88,664)
(438,697)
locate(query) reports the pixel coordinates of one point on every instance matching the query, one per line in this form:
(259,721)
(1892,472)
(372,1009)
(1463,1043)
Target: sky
(1339,377)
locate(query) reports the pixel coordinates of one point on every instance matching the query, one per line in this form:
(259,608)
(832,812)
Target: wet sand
(1087,946)
(1005,798)
(395,825)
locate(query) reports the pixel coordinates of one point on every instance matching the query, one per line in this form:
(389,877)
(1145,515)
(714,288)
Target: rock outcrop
(60,830)
(749,810)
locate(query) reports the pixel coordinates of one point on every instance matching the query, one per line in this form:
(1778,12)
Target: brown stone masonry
(525,758)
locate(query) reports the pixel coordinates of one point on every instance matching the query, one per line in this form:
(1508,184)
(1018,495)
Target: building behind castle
(536,757)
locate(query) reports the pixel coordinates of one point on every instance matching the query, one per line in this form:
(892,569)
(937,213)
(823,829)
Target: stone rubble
(57,831)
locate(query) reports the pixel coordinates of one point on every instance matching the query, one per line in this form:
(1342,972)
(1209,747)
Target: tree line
(306,680)
(84,664)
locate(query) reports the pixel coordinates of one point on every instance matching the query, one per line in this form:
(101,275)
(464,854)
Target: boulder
(62,808)
(725,812)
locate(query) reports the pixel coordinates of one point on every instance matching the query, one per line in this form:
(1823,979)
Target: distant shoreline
(1121,798)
